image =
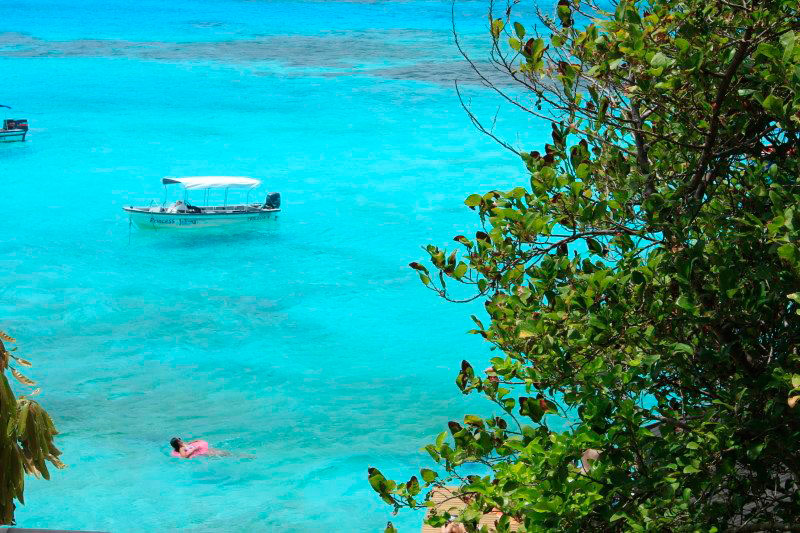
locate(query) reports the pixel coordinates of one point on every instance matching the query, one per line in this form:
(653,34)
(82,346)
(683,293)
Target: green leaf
(473,420)
(684,303)
(412,486)
(519,29)
(497,27)
(418,267)
(377,480)
(593,246)
(473,200)
(690,470)
(788,252)
(654,202)
(22,418)
(776,200)
(659,60)
(773,104)
(680,347)
(753,452)
(769,51)
(564,13)
(582,171)
(429,476)
(531,408)
(788,41)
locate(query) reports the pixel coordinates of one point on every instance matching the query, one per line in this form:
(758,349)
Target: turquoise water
(307,344)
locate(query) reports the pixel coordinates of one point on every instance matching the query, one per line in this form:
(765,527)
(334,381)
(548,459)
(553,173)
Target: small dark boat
(14,129)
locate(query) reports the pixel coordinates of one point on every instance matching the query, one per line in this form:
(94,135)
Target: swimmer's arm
(187,451)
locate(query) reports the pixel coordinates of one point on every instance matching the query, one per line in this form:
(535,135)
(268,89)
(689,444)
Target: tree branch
(701,178)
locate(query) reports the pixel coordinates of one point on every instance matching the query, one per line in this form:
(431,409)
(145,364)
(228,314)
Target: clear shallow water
(308,344)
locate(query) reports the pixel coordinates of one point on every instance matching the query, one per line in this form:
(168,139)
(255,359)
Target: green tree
(27,435)
(642,287)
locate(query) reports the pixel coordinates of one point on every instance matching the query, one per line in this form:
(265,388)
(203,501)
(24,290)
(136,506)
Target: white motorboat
(182,214)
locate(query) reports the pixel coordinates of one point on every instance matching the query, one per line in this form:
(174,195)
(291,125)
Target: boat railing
(238,208)
(226,208)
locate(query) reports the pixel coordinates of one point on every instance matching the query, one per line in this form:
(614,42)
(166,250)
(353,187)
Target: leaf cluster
(26,443)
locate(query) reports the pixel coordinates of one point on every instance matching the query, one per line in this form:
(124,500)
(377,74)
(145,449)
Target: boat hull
(158,220)
(12,135)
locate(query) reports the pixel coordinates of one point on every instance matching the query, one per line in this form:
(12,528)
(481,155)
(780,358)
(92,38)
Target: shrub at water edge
(642,289)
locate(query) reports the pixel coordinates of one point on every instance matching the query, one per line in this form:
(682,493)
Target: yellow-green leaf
(22,379)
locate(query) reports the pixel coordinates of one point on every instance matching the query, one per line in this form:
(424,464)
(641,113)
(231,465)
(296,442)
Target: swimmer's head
(176,443)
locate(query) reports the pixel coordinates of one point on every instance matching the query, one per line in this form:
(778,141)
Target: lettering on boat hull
(148,220)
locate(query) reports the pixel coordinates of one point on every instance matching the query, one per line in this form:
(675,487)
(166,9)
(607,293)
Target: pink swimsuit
(196,449)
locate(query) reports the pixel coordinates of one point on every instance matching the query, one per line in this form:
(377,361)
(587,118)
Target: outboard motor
(273,200)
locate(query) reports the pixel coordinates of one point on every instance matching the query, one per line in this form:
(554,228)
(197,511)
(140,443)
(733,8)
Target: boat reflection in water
(182,214)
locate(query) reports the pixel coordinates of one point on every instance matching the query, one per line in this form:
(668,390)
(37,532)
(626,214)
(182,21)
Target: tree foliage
(643,288)
(26,442)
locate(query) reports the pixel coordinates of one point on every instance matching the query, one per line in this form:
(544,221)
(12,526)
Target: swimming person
(196,448)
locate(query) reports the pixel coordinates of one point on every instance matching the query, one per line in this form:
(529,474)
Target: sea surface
(306,347)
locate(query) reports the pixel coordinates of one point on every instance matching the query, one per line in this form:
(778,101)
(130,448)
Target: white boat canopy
(213,182)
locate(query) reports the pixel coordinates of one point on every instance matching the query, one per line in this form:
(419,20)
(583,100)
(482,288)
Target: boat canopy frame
(207,183)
